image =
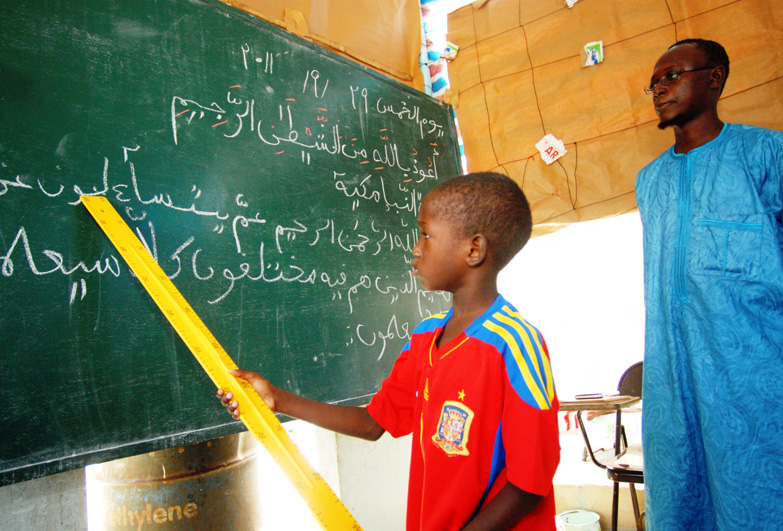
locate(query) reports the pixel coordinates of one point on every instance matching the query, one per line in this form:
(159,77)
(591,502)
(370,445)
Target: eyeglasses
(670,77)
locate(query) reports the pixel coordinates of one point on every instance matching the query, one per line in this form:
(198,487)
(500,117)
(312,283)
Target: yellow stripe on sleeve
(524,369)
(527,337)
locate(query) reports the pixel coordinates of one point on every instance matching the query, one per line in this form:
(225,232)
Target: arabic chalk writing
(377,171)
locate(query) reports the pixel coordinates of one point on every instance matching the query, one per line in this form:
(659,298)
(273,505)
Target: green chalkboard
(276,183)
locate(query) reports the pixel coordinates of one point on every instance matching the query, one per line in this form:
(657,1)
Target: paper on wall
(550,148)
(592,53)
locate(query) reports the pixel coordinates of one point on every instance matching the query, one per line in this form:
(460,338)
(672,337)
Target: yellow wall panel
(465,72)
(563,33)
(755,60)
(384,35)
(546,187)
(531,10)
(474,127)
(513,115)
(761,106)
(607,165)
(503,55)
(580,103)
(600,112)
(461,27)
(495,17)
(682,9)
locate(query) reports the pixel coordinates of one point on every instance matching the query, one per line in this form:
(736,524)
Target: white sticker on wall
(593,53)
(550,148)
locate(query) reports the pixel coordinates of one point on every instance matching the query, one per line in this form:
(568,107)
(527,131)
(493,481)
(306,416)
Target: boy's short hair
(490,204)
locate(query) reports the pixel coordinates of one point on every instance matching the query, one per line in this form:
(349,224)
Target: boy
(474,385)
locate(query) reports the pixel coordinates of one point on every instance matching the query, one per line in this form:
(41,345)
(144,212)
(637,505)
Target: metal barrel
(203,486)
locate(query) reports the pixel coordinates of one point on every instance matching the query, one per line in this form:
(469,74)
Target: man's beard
(671,122)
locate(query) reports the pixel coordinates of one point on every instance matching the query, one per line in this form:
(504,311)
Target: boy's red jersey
(482,410)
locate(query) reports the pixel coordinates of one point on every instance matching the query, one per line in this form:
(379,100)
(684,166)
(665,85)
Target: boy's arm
(504,511)
(348,420)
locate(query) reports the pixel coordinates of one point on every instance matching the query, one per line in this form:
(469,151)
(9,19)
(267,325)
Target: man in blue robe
(712,212)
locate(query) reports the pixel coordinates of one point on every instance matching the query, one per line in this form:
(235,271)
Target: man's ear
(477,253)
(718,77)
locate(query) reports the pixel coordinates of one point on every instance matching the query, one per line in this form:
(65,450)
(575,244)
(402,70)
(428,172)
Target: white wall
(582,287)
(371,479)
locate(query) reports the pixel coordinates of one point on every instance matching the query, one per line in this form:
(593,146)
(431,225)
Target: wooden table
(607,403)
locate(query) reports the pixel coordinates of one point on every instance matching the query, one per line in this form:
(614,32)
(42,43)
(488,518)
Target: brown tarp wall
(517,77)
(383,35)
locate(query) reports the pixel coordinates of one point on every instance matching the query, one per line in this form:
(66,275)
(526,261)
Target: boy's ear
(477,253)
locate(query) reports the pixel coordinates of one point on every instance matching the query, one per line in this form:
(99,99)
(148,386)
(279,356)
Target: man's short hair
(715,53)
(490,204)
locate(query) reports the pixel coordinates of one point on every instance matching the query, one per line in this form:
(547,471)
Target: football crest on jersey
(453,428)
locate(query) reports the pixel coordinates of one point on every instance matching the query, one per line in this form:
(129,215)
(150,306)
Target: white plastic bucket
(578,520)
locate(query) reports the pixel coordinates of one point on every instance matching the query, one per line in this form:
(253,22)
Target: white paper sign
(550,148)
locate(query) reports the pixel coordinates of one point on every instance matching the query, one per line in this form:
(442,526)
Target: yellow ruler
(259,419)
